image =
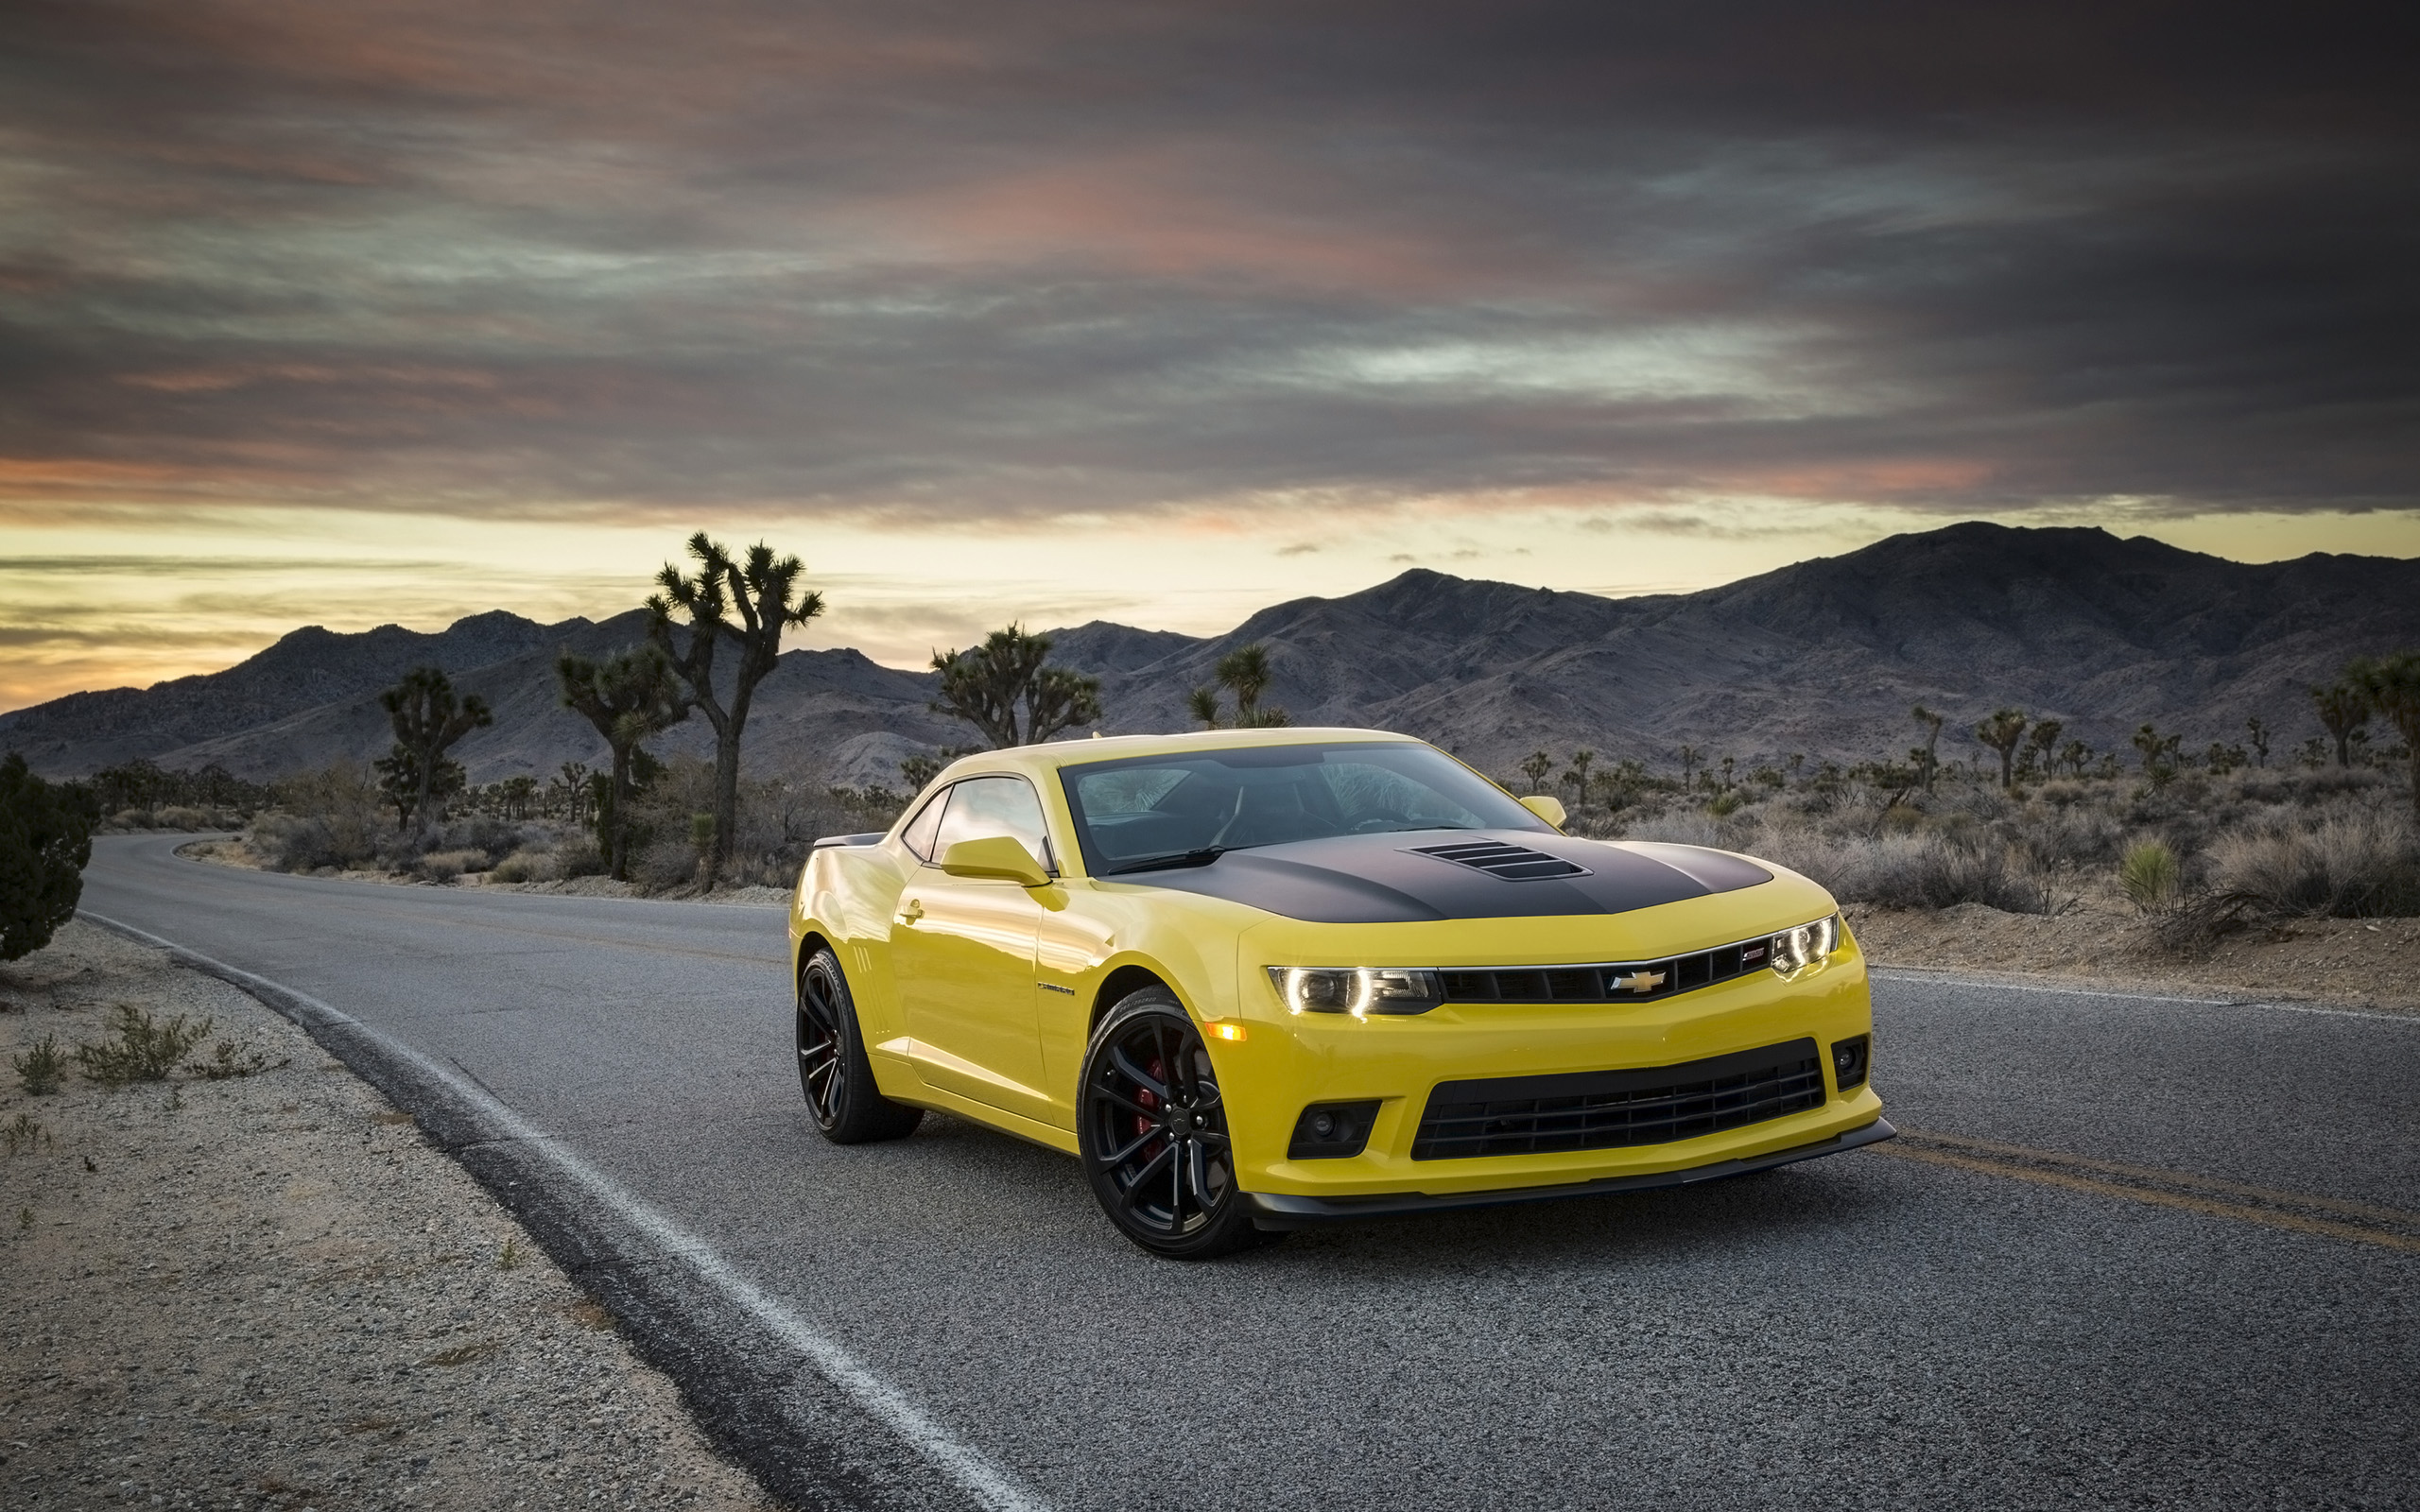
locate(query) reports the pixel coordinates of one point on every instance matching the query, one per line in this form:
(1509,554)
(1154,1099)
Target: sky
(1056,310)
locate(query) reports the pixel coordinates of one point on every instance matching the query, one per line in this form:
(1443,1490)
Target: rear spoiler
(829,841)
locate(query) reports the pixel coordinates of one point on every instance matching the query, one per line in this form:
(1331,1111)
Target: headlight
(1809,945)
(1357,989)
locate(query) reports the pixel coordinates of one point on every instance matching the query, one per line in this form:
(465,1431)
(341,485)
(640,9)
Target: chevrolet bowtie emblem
(1640,981)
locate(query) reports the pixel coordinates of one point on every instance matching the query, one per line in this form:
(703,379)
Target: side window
(982,807)
(918,836)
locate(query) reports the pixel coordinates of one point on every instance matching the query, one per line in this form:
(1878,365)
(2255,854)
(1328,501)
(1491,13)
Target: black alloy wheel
(833,1071)
(1153,1131)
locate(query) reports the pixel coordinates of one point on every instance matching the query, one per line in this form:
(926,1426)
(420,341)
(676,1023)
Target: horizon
(1071,310)
(799,640)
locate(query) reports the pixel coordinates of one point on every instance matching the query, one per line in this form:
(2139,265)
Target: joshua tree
(985,685)
(568,790)
(629,697)
(1535,769)
(1797,760)
(2001,732)
(2259,741)
(1245,673)
(429,720)
(1728,763)
(1927,756)
(918,772)
(2044,741)
(1577,776)
(2391,688)
(1690,756)
(763,590)
(2158,751)
(2343,710)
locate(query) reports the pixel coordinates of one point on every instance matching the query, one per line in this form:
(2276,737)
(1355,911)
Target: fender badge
(1053,986)
(1640,981)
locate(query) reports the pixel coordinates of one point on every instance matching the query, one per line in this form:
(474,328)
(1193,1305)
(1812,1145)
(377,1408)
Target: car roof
(1052,755)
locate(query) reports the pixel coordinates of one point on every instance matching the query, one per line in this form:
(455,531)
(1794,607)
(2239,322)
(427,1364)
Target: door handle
(912,910)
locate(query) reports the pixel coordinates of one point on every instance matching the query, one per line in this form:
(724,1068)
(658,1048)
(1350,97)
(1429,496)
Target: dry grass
(2200,854)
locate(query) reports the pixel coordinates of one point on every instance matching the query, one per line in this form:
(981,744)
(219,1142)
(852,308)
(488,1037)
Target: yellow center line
(2173,1178)
(2241,1213)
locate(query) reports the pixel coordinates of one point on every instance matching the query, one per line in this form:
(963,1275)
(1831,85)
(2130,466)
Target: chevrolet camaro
(1255,979)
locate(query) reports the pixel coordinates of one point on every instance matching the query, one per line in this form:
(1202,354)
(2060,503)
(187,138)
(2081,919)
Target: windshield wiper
(1183,858)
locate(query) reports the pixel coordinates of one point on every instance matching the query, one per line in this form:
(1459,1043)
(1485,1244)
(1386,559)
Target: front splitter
(1277,1210)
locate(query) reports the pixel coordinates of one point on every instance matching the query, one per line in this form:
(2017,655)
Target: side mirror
(999,857)
(1544,805)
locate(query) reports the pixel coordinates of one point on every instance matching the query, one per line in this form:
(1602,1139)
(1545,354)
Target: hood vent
(1514,862)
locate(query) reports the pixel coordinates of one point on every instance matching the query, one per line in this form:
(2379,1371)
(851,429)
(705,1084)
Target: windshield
(1196,804)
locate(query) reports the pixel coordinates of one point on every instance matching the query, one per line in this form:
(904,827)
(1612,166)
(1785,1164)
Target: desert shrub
(139,1047)
(329,817)
(41,1066)
(528,866)
(444,866)
(132,820)
(289,842)
(1928,871)
(2351,866)
(46,839)
(231,1058)
(2150,875)
(2068,835)
(580,858)
(1685,828)
(184,819)
(664,863)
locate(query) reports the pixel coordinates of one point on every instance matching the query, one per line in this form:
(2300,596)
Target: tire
(832,1071)
(1152,1130)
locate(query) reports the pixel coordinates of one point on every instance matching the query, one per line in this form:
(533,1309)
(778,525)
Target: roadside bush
(182,818)
(581,858)
(41,1066)
(1930,871)
(289,842)
(528,866)
(139,1047)
(2151,876)
(46,839)
(444,866)
(2348,866)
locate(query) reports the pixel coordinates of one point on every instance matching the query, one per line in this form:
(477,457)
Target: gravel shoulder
(2366,963)
(267,1290)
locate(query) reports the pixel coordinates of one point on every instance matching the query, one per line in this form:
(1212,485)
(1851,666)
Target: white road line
(1927,973)
(990,1486)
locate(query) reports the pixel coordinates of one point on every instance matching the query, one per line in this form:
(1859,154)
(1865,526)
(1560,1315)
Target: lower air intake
(1612,1110)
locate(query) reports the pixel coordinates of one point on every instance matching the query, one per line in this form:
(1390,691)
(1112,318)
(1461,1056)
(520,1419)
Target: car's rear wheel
(1152,1130)
(833,1071)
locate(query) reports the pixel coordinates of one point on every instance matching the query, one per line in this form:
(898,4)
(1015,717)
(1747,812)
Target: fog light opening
(1849,1058)
(1332,1131)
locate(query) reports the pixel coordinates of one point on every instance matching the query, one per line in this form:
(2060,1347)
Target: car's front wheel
(833,1071)
(1153,1131)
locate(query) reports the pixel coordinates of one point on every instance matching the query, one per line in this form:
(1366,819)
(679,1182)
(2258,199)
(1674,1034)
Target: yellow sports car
(1255,979)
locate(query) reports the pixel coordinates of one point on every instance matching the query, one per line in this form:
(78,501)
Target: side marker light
(1225,1031)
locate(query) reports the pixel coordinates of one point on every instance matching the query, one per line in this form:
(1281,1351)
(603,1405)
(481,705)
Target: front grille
(1618,982)
(1613,1109)
(1516,862)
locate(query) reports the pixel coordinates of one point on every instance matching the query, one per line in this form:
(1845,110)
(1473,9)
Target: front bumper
(1277,1211)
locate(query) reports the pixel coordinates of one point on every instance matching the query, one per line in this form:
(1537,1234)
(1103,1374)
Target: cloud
(976,262)
(1301,548)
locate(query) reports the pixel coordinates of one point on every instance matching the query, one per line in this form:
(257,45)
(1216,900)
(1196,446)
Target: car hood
(1385,879)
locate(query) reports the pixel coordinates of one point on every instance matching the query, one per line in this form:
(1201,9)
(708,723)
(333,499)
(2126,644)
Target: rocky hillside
(1823,657)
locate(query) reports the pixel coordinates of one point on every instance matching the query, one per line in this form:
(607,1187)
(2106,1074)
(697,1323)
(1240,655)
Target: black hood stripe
(1373,879)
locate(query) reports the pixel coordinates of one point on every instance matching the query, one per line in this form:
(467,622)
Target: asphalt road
(2136,1251)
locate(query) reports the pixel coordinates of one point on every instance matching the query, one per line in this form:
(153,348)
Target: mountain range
(1824,657)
